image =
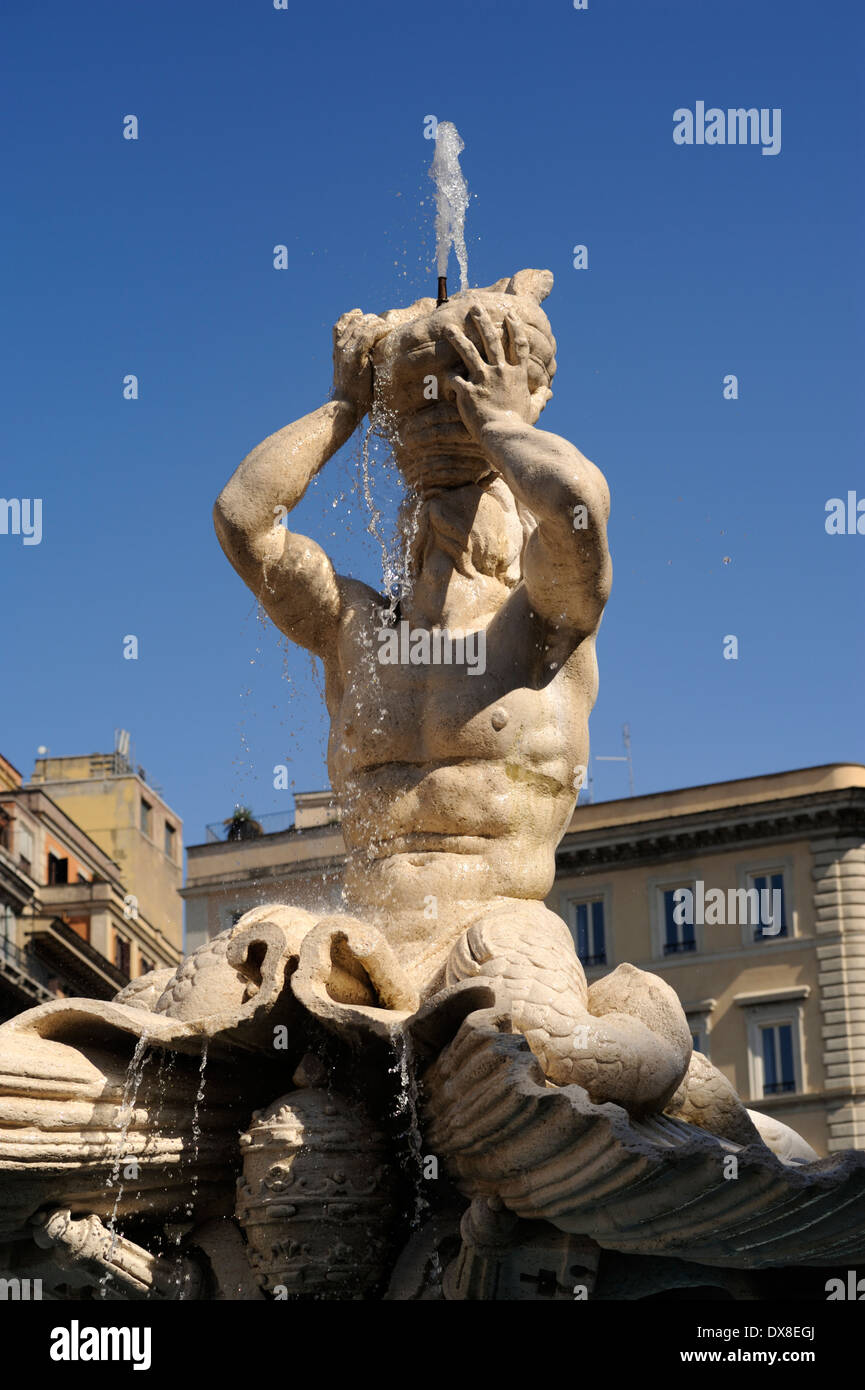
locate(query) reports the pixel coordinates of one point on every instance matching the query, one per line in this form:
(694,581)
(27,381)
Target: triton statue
(569,1121)
(456,792)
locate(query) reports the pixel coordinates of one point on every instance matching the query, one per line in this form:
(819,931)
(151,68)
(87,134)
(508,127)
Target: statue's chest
(413,701)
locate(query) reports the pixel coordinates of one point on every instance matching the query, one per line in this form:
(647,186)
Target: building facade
(747,897)
(128,818)
(775,1000)
(73,920)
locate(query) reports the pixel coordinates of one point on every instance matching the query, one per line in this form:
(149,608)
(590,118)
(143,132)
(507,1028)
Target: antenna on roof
(626,758)
(121,750)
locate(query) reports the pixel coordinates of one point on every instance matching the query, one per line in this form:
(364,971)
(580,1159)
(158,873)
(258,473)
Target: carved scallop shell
(657,1186)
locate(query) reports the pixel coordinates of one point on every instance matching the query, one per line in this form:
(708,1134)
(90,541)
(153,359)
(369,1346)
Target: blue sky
(305,127)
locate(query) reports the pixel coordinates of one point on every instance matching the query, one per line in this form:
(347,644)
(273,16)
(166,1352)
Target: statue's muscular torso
(431,761)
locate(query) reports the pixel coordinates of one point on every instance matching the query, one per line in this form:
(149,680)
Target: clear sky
(305,127)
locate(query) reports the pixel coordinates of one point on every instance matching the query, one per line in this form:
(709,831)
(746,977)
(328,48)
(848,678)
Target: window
(779,1073)
(586,921)
(699,1015)
(772,911)
(7,923)
(678,935)
(122,954)
(146,966)
(146,817)
(766,903)
(25,847)
(775,1057)
(170,840)
(58,869)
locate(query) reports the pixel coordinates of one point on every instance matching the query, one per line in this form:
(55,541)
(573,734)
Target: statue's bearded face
(480,532)
(415,403)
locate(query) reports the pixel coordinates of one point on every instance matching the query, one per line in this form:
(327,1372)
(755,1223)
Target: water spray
(452,199)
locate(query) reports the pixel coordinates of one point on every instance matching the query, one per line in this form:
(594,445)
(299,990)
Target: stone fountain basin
(653,1186)
(646,1186)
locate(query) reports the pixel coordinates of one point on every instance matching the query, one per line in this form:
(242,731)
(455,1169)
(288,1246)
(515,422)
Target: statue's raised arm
(291,575)
(566,564)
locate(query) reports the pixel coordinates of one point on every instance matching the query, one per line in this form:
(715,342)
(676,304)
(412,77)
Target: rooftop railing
(274,823)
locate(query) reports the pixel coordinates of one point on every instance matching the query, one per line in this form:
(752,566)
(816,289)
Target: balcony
(69,955)
(16,877)
(27,976)
(76,899)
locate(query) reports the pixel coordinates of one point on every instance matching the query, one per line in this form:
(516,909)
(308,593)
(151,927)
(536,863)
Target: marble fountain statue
(416,1097)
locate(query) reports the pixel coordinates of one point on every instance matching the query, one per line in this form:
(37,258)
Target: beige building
(778,1005)
(68,918)
(748,897)
(126,816)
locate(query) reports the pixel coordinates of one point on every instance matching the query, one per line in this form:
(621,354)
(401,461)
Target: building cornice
(838,812)
(301,868)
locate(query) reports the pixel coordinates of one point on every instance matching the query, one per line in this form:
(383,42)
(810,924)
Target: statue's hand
(354,337)
(497,387)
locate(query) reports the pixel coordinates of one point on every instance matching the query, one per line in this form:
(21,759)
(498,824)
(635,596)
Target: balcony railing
(274,823)
(674,948)
(15,961)
(57,942)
